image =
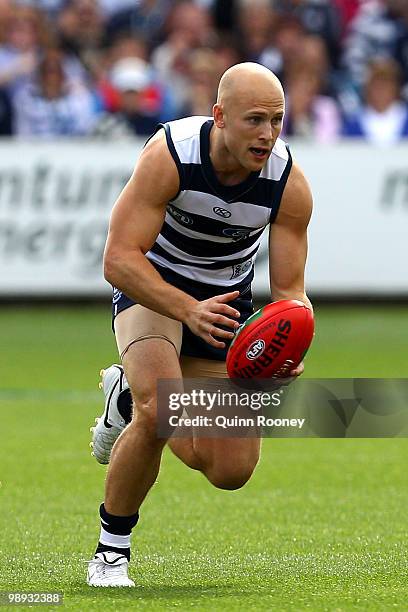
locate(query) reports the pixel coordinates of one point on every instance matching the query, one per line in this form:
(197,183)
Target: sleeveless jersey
(211,232)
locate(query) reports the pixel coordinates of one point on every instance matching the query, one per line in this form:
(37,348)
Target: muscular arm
(288,245)
(288,240)
(136,221)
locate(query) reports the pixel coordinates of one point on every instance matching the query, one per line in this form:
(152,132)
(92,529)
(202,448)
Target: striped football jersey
(211,232)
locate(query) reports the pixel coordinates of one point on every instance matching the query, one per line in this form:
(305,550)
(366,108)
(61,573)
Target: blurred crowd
(115,68)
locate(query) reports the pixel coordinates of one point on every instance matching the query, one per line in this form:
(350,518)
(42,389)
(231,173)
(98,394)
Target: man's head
(51,74)
(130,76)
(249,110)
(383,85)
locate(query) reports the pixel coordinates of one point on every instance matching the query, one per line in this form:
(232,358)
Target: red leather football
(272,341)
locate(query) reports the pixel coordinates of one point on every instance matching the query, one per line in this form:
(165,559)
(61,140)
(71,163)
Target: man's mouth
(259,152)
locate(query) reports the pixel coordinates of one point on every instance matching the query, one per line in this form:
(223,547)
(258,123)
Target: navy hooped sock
(125,405)
(116,532)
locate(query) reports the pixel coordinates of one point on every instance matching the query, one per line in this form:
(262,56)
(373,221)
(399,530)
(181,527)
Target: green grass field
(321,526)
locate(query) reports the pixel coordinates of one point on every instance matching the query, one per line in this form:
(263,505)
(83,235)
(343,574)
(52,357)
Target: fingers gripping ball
(272,341)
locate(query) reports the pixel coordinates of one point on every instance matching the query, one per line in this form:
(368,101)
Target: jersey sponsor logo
(222,212)
(179,216)
(236,234)
(256,349)
(116,295)
(241,268)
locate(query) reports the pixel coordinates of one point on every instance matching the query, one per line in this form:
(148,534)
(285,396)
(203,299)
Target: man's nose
(266,133)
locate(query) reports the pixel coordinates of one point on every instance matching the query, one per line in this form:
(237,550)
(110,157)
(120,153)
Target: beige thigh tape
(150,337)
(139,323)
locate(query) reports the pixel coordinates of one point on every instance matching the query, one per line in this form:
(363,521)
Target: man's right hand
(204,318)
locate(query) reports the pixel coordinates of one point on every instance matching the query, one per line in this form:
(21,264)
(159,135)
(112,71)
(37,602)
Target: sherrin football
(272,341)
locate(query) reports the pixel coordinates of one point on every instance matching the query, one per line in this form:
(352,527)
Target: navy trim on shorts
(192,345)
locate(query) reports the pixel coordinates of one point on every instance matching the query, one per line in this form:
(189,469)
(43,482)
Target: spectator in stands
(401,47)
(224,13)
(384,117)
(6,114)
(186,51)
(379,30)
(81,28)
(112,7)
(188,27)
(229,51)
(6,12)
(319,17)
(157,100)
(313,51)
(287,48)
(204,76)
(190,23)
(256,25)
(144,18)
(25,33)
(126,45)
(50,7)
(334,83)
(347,11)
(50,105)
(137,113)
(309,114)
(123,46)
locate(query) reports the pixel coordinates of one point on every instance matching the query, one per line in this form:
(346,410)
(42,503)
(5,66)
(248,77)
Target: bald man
(180,252)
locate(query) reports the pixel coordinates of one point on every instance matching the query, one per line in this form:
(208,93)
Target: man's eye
(254,120)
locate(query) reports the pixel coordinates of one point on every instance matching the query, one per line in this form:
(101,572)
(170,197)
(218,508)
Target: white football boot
(109,569)
(111,423)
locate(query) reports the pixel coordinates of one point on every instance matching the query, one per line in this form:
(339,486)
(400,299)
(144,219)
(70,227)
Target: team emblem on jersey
(116,295)
(241,268)
(222,212)
(181,217)
(236,233)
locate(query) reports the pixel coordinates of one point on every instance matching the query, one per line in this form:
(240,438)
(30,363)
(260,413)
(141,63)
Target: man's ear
(218,115)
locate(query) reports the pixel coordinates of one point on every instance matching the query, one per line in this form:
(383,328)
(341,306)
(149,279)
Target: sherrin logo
(256,349)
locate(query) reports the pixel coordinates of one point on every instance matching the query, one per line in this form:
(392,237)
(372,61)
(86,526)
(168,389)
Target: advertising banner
(56,198)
